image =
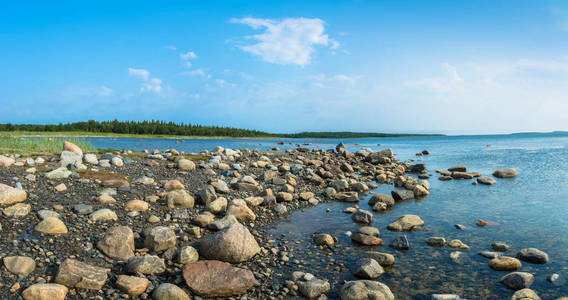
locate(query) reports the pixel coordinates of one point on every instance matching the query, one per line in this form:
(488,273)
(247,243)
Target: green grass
(38,146)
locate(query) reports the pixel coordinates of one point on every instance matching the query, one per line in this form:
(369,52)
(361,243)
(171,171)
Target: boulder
(362,217)
(68,146)
(206,195)
(45,291)
(6,161)
(241,211)
(323,239)
(504,263)
(118,243)
(365,289)
(367,235)
(168,291)
(212,278)
(185,164)
(368,268)
(517,280)
(233,244)
(222,223)
(76,274)
(179,199)
(160,238)
(406,223)
(402,195)
(132,285)
(486,180)
(505,173)
(533,256)
(10,195)
(70,158)
(145,264)
(20,265)
(382,198)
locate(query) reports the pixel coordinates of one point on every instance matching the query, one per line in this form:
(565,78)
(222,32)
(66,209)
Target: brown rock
(232,244)
(76,274)
(10,195)
(45,291)
(211,278)
(160,238)
(173,185)
(132,285)
(118,243)
(137,205)
(68,146)
(504,263)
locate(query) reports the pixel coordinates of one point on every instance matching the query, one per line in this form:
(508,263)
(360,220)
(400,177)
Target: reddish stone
(213,278)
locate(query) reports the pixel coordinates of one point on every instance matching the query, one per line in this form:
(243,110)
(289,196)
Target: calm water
(532,210)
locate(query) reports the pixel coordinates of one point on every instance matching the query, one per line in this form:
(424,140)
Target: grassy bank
(34,146)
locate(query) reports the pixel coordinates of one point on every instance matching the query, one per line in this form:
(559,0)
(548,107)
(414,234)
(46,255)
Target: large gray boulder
(233,244)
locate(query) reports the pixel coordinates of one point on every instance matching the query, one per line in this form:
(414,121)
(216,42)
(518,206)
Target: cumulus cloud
(148,84)
(187,57)
(287,41)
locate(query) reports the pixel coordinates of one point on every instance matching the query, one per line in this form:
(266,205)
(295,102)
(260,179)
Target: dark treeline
(135,127)
(181,129)
(348,134)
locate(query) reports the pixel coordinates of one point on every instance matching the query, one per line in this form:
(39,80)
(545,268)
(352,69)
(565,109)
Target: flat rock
(10,195)
(20,265)
(505,263)
(17,210)
(51,225)
(406,223)
(145,264)
(436,241)
(505,173)
(212,278)
(132,285)
(59,173)
(76,274)
(45,291)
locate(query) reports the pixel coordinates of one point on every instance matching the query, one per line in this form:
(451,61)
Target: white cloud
(197,72)
(442,84)
(148,84)
(187,57)
(224,83)
(144,74)
(288,41)
(171,47)
(321,80)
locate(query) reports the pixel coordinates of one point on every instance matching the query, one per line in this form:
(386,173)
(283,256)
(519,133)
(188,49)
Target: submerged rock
(406,223)
(505,173)
(517,280)
(533,256)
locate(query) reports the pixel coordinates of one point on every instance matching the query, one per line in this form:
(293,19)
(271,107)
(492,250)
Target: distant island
(171,129)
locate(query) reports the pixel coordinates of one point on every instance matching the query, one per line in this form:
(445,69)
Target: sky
(455,67)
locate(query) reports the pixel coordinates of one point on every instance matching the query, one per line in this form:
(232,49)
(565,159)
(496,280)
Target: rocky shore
(170,225)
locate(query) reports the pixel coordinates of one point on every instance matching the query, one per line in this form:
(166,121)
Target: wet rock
(362,217)
(160,238)
(367,235)
(445,178)
(179,199)
(486,180)
(168,291)
(402,195)
(459,168)
(10,195)
(103,214)
(76,274)
(553,277)
(365,289)
(461,175)
(381,198)
(455,256)
(436,241)
(420,191)
(406,223)
(457,244)
(51,225)
(525,294)
(501,247)
(505,173)
(17,210)
(145,264)
(384,259)
(132,285)
(233,244)
(418,168)
(533,256)
(45,291)
(517,280)
(314,288)
(400,243)
(211,278)
(368,268)
(118,243)
(489,254)
(505,263)
(323,239)
(187,255)
(20,265)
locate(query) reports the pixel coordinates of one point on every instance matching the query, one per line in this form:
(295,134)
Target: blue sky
(288,66)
